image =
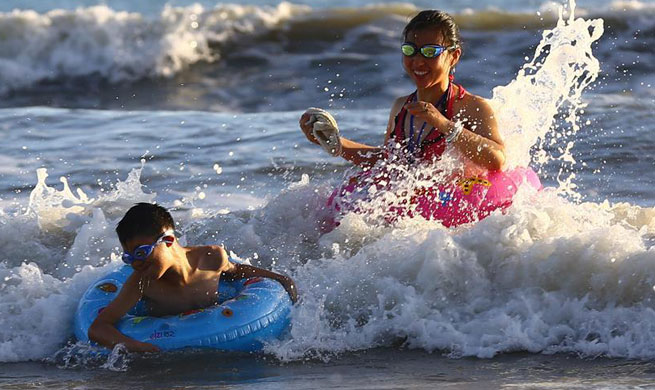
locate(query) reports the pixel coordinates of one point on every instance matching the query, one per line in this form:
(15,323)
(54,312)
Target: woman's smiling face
(429,72)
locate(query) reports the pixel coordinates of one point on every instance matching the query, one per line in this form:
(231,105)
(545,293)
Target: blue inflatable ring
(250,313)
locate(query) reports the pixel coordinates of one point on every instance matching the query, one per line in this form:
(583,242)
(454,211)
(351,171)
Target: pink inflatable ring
(461,201)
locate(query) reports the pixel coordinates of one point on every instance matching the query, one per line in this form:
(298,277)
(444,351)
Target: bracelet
(458,128)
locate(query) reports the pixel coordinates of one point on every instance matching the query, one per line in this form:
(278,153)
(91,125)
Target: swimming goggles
(428,51)
(142,252)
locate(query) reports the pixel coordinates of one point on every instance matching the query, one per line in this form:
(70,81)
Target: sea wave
(548,276)
(119,46)
(122,46)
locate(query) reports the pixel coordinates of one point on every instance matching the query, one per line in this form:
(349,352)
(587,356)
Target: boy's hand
(139,346)
(234,271)
(290,286)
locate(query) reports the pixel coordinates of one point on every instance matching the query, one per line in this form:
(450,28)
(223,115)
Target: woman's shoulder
(473,105)
(477,113)
(401,100)
(396,106)
(398,103)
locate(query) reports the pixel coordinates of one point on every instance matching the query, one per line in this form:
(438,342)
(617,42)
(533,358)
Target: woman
(438,116)
(439,113)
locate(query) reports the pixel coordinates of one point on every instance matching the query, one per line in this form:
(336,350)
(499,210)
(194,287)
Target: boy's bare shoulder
(210,256)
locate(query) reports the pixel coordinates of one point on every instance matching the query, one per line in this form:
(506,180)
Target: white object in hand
(325,130)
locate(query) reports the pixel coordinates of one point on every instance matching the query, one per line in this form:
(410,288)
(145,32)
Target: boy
(172,278)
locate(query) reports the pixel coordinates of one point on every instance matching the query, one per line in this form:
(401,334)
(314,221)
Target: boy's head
(144,220)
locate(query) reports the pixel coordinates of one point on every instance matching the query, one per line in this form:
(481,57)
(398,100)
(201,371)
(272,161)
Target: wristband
(458,128)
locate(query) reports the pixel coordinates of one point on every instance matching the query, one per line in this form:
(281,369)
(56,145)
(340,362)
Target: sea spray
(51,207)
(50,256)
(548,276)
(548,87)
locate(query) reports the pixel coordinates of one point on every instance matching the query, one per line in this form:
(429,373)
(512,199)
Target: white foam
(548,276)
(119,45)
(560,278)
(50,256)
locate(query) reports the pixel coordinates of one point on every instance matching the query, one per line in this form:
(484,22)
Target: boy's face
(144,251)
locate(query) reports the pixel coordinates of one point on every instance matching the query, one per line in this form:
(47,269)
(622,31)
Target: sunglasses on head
(142,252)
(428,51)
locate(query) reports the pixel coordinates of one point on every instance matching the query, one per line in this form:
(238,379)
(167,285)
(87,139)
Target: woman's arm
(360,154)
(480,139)
(365,155)
(355,152)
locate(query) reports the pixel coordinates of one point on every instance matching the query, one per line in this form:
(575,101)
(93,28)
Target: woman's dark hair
(436,19)
(144,220)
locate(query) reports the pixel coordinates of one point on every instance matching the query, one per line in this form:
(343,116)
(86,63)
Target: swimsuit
(434,144)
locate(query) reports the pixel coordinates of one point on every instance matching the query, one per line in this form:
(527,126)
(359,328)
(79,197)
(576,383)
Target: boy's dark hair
(440,20)
(144,220)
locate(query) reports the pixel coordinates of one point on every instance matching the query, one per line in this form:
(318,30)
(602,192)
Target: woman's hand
(307,128)
(427,112)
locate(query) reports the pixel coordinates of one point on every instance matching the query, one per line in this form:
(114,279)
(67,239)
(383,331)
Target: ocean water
(195,105)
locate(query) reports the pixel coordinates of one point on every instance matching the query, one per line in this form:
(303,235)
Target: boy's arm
(103,331)
(233,271)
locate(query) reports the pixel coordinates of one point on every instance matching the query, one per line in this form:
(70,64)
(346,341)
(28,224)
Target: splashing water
(51,206)
(551,84)
(51,254)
